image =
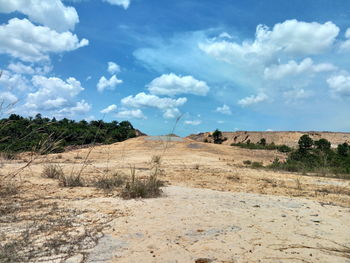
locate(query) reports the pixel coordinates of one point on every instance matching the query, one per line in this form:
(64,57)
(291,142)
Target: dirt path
(188,224)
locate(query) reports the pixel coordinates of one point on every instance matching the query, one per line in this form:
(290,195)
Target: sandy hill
(289,138)
(213,208)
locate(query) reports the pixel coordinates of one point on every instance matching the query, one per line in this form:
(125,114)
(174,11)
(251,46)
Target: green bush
(320,159)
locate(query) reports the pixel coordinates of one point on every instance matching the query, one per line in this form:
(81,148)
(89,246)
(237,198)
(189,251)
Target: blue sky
(232,65)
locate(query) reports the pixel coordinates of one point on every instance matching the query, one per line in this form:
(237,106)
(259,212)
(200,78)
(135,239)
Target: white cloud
(194,122)
(81,107)
(51,13)
(171,113)
(7,98)
(11,81)
(123,3)
(167,105)
(54,94)
(345,45)
(296,94)
(281,71)
(21,68)
(254,99)
(145,100)
(113,68)
(291,37)
(109,109)
(171,84)
(22,39)
(131,114)
(224,109)
(340,85)
(110,84)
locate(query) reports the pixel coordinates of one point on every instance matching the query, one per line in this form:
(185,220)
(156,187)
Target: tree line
(18,134)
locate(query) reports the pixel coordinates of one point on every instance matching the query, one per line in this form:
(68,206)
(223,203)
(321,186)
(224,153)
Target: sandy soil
(213,208)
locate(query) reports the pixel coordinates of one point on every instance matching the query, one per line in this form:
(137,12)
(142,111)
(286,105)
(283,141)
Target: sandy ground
(214,209)
(189,224)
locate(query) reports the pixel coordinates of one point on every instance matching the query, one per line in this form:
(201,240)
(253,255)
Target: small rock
(75,259)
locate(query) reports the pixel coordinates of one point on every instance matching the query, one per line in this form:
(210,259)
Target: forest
(44,135)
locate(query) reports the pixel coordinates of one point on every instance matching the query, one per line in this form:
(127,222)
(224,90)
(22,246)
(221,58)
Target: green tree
(305,143)
(217,136)
(343,149)
(323,144)
(262,142)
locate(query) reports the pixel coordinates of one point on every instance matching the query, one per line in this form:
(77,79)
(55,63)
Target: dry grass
(110,182)
(71,180)
(52,171)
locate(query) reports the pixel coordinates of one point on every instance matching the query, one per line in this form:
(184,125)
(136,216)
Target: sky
(188,65)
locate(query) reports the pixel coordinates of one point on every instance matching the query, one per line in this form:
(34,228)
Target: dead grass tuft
(109,182)
(142,188)
(52,171)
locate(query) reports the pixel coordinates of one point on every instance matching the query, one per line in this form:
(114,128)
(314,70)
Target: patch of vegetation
(109,182)
(52,171)
(71,180)
(8,187)
(317,157)
(20,134)
(142,188)
(217,137)
(263,145)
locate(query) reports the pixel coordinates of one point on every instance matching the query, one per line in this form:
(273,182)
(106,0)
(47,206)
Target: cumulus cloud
(55,94)
(146,100)
(224,110)
(81,107)
(109,109)
(7,98)
(171,113)
(171,84)
(113,67)
(291,37)
(10,81)
(110,84)
(167,105)
(194,122)
(123,3)
(281,71)
(21,68)
(345,45)
(251,100)
(28,42)
(130,114)
(51,13)
(340,85)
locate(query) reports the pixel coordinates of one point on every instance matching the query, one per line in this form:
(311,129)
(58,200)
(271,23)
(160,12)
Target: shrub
(8,187)
(262,142)
(142,188)
(52,171)
(247,162)
(217,136)
(110,182)
(257,165)
(71,180)
(305,142)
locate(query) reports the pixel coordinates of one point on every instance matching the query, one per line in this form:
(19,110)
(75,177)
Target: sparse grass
(8,187)
(71,180)
(247,162)
(156,159)
(142,188)
(235,178)
(52,171)
(109,182)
